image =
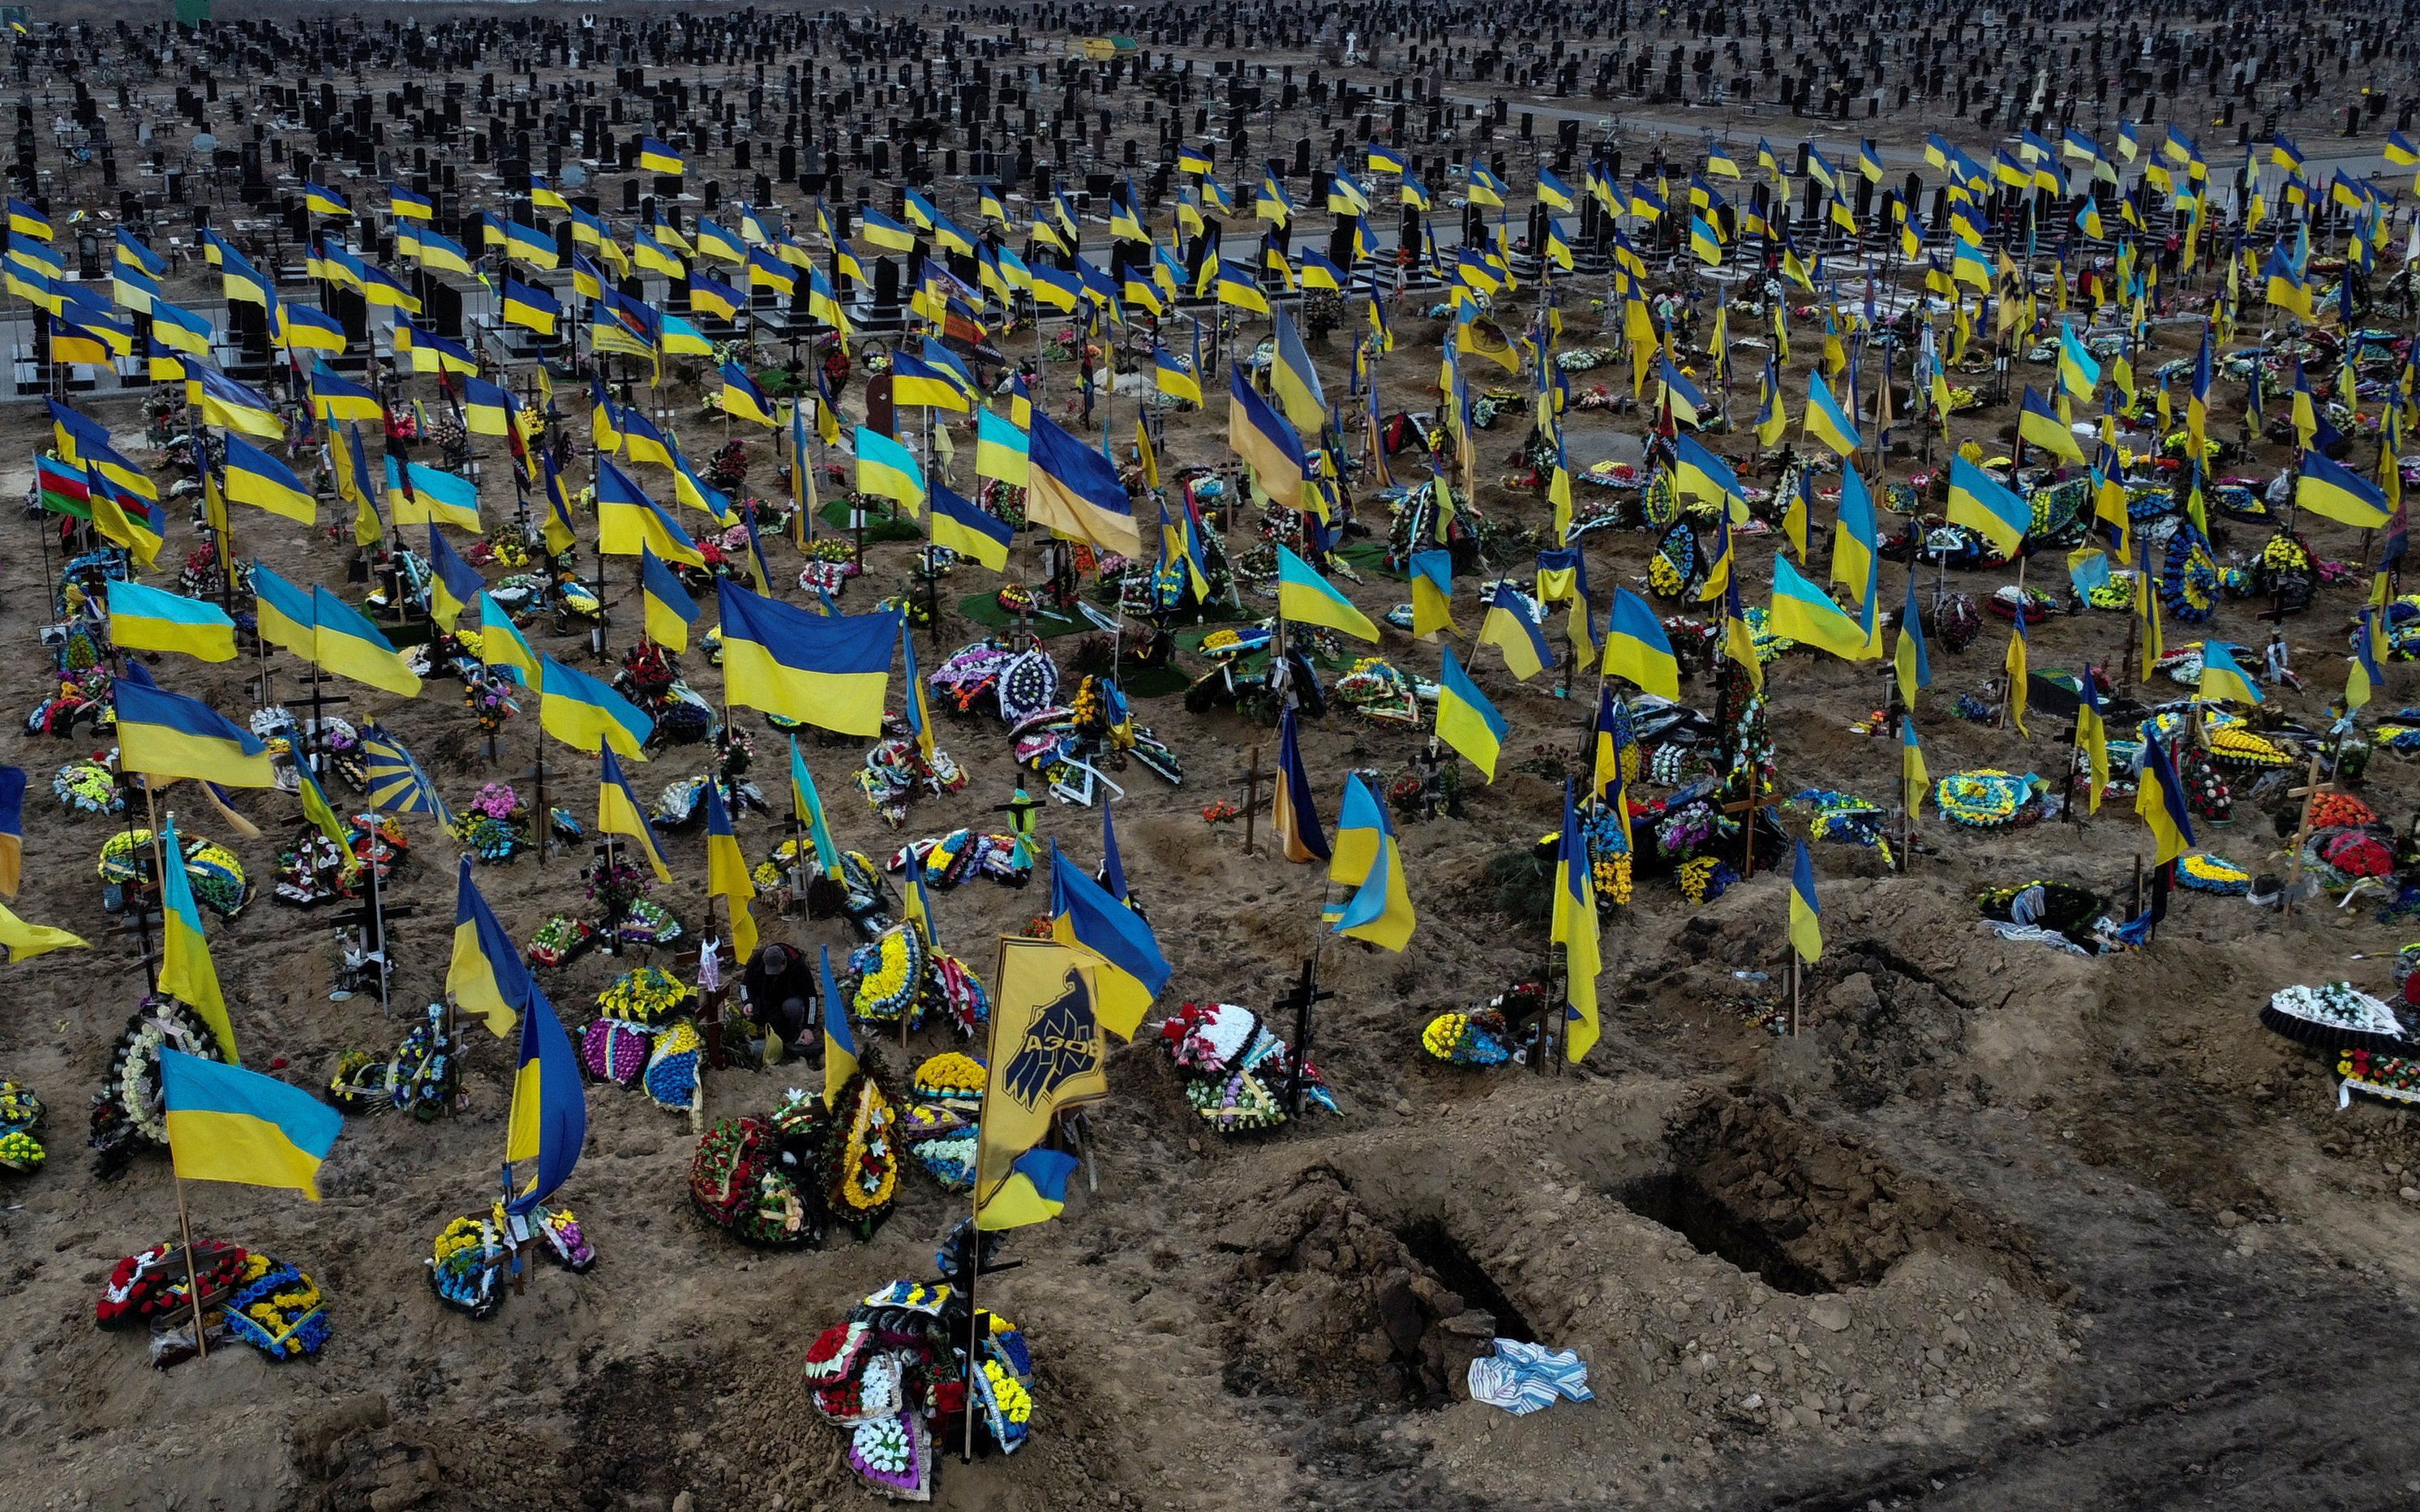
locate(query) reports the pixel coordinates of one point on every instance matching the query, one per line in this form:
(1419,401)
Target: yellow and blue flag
(1467,720)
(1914,781)
(152,619)
(345,643)
(2223,678)
(1291,814)
(1131,970)
(1987,506)
(1574,927)
(500,644)
(619,812)
(670,611)
(839,1042)
(581,711)
(1806,916)
(549,1117)
(1826,422)
(886,470)
(394,781)
(167,734)
(828,671)
(484,975)
(229,1124)
(453,584)
(2333,491)
(1369,864)
(2159,799)
(967,528)
(1802,611)
(727,875)
(186,970)
(1073,490)
(1432,574)
(1512,626)
(808,804)
(1308,598)
(1637,648)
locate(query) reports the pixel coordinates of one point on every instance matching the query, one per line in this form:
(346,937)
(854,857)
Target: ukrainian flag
(2334,491)
(2159,799)
(500,644)
(967,528)
(1856,534)
(884,232)
(1075,490)
(1236,287)
(2223,678)
(1266,443)
(256,478)
(1174,377)
(549,1117)
(166,734)
(1291,814)
(1574,927)
(228,1124)
(151,619)
(1802,611)
(1465,721)
(670,611)
(1825,421)
(628,522)
(453,583)
(1308,598)
(485,976)
(741,397)
(582,712)
(828,671)
(2038,422)
(727,875)
(654,157)
(1985,506)
(1512,628)
(1637,648)
(423,495)
(1431,593)
(1700,474)
(1034,1191)
(334,397)
(721,300)
(301,328)
(345,643)
(619,812)
(229,404)
(1132,971)
(886,470)
(1370,864)
(1806,916)
(1295,381)
(281,612)
(12,828)
(186,972)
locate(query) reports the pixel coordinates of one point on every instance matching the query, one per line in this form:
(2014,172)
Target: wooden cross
(1251,783)
(1748,808)
(2308,792)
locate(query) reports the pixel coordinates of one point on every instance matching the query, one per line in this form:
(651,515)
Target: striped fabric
(1522,1378)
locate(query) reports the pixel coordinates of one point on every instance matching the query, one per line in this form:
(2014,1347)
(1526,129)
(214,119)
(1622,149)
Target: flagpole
(193,1274)
(377,912)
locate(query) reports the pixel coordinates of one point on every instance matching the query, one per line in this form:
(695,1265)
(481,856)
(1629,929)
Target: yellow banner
(1045,1052)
